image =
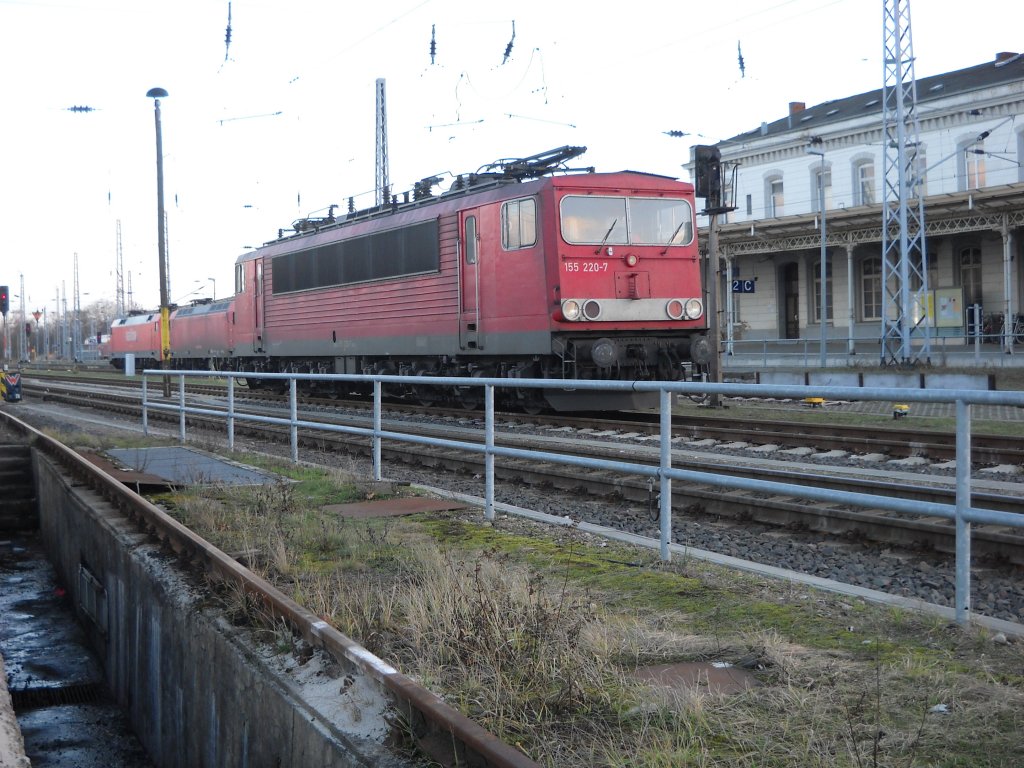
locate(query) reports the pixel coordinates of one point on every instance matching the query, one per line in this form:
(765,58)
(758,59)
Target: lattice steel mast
(76,321)
(906,333)
(119,306)
(382,182)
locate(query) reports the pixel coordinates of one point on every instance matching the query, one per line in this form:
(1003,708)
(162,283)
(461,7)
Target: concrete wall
(196,689)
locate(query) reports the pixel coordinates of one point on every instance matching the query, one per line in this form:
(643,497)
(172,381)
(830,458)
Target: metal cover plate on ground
(709,677)
(409,505)
(185,466)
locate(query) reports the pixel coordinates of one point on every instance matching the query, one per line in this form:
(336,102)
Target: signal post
(708,184)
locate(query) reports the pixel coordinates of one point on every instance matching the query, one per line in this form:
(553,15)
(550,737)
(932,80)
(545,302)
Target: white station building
(971,149)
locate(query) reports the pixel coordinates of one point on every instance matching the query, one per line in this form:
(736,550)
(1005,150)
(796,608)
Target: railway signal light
(28,329)
(5,301)
(707,162)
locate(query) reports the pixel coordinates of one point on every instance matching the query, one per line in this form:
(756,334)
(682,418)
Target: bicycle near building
(992,328)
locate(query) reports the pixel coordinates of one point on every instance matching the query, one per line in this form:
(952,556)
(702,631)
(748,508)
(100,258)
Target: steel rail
(894,441)
(439,730)
(873,524)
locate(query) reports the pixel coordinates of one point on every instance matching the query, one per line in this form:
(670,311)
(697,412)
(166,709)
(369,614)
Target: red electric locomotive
(517,271)
(201,335)
(137,335)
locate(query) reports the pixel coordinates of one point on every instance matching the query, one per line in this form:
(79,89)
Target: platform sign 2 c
(743,286)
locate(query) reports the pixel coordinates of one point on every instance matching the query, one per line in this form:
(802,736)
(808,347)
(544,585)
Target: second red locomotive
(514,272)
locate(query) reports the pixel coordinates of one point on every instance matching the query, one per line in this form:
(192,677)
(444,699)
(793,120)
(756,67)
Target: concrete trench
(115,657)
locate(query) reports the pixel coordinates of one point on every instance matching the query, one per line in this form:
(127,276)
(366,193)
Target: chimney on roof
(1005,55)
(795,107)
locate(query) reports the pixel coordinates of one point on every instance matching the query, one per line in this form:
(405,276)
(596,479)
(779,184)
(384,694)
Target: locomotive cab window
(660,221)
(239,279)
(471,239)
(519,224)
(621,220)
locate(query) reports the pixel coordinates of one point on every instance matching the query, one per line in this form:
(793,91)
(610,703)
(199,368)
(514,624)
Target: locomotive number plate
(586,266)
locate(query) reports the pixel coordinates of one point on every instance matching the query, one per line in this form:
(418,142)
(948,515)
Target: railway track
(443,733)
(1004,544)
(893,441)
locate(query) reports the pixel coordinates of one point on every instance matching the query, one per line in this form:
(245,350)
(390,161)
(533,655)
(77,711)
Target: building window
(970,274)
(1020,156)
(972,170)
(975,163)
(871,288)
(921,165)
(750,205)
(816,281)
(774,198)
(821,178)
(864,173)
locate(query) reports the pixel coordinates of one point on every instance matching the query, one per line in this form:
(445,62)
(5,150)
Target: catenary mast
(906,335)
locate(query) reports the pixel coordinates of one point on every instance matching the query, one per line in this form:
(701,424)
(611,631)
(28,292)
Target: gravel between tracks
(996,591)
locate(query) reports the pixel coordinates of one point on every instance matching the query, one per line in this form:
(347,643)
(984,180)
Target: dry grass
(536,634)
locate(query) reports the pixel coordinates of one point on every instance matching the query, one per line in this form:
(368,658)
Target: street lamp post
(165,328)
(823,352)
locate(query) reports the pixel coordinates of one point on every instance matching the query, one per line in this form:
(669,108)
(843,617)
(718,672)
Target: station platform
(1003,413)
(945,353)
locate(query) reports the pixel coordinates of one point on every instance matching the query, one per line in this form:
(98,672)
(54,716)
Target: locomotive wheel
(469,398)
(425,396)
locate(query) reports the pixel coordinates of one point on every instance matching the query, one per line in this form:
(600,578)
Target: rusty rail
(439,730)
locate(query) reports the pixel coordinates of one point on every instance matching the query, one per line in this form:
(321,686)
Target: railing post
(377,474)
(976,314)
(231,412)
(181,408)
(293,415)
(145,408)
(963,503)
(666,481)
(488,451)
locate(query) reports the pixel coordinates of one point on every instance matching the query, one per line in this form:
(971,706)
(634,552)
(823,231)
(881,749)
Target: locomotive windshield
(626,220)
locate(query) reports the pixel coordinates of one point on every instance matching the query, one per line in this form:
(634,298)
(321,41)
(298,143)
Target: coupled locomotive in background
(517,271)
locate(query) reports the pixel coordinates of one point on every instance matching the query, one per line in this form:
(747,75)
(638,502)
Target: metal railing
(962,512)
(842,350)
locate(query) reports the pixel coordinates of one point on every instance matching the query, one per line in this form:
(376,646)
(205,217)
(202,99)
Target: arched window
(773,196)
(821,178)
(921,165)
(871,288)
(970,164)
(1020,155)
(864,183)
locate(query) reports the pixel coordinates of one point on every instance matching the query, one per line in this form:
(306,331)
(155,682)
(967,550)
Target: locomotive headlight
(694,309)
(631,260)
(591,309)
(571,309)
(674,308)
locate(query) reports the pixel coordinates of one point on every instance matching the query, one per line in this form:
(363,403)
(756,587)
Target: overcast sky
(280,123)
